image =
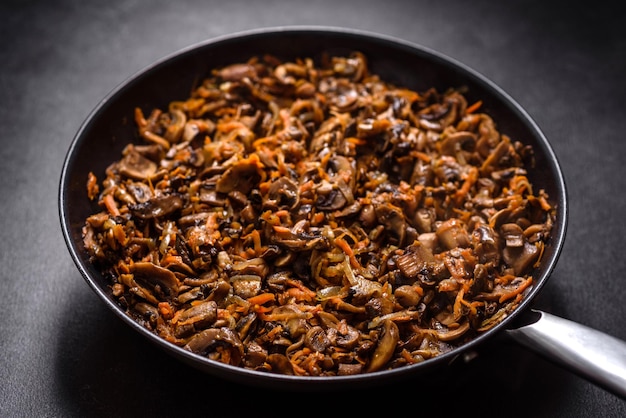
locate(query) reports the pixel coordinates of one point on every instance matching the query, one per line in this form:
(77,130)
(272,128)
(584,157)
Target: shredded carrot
(356,141)
(165,310)
(318,218)
(474,107)
(111,205)
(517,291)
(507,278)
(261,299)
(298,284)
(92,186)
(418,289)
(230,125)
(256,240)
(260,309)
(421,155)
(541,248)
(297,369)
(120,234)
(345,247)
(407,356)
(544,203)
(300,295)
(470,180)
(458,305)
(298,355)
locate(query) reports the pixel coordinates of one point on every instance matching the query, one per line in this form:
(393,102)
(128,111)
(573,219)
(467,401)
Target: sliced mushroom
(236,72)
(157,207)
(284,192)
(243,177)
(153,274)
(205,341)
(521,258)
(453,234)
(385,347)
(246,285)
(316,339)
(136,166)
(513,235)
(486,244)
(414,260)
(280,364)
(196,318)
(453,334)
(407,296)
(453,143)
(178,119)
(393,219)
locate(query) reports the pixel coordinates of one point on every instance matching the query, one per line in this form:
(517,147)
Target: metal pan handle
(594,355)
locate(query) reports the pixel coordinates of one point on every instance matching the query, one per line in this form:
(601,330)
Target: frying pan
(598,357)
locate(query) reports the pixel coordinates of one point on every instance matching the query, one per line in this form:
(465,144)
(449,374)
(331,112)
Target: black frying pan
(596,356)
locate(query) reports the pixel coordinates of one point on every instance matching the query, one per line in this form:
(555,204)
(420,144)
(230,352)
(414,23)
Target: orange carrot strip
(299,371)
(474,107)
(517,291)
(111,205)
(421,155)
(345,247)
(544,203)
(471,178)
(458,305)
(507,278)
(356,141)
(407,356)
(165,310)
(262,298)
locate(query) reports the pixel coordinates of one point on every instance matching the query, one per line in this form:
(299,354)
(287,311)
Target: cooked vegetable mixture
(309,218)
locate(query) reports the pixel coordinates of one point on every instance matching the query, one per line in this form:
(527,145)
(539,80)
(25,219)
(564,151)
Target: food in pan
(310,218)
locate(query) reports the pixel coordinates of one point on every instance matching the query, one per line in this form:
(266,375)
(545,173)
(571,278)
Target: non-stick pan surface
(110,127)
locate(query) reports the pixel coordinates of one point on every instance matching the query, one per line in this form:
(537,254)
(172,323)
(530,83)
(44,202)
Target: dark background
(63,354)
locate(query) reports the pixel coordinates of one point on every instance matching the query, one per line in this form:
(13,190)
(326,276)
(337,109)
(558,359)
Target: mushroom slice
(316,339)
(339,332)
(513,235)
(486,244)
(453,334)
(452,234)
(243,177)
(414,260)
(136,166)
(196,318)
(386,346)
(393,219)
(407,296)
(174,130)
(255,266)
(153,274)
(237,72)
(157,207)
(280,364)
(347,369)
(255,355)
(521,258)
(205,341)
(284,192)
(455,142)
(246,285)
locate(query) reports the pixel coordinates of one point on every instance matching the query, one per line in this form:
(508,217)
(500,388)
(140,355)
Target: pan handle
(598,357)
